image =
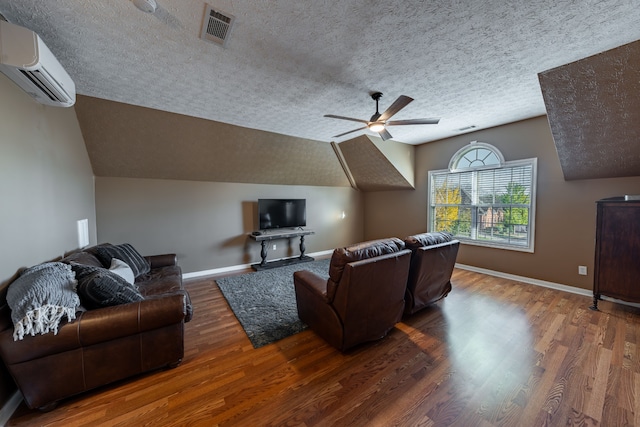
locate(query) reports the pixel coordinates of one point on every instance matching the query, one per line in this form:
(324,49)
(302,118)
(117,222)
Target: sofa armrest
(312,282)
(164,260)
(108,323)
(186,298)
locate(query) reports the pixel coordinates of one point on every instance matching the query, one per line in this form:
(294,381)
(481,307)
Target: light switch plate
(83,233)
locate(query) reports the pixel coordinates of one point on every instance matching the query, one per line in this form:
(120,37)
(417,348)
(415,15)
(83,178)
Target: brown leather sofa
(433,256)
(101,345)
(363,297)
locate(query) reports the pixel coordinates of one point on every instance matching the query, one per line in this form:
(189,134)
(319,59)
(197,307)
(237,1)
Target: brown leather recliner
(433,256)
(363,297)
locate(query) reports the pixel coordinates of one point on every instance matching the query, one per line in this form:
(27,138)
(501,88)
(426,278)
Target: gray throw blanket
(41,297)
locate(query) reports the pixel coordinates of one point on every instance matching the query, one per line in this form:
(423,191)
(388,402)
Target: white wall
(46,185)
(46,181)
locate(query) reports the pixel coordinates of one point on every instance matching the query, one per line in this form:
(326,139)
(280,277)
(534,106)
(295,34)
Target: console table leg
(595,303)
(302,248)
(263,252)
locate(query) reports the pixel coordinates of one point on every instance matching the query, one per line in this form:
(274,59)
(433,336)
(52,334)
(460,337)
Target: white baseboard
(529,280)
(233,268)
(543,283)
(10,407)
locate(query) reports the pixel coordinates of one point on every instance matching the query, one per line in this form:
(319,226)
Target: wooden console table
(267,236)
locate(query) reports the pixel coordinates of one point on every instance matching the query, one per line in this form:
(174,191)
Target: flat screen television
(282,213)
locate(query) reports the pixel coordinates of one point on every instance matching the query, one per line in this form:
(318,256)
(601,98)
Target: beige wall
(206,223)
(565,217)
(46,181)
(46,185)
(129,141)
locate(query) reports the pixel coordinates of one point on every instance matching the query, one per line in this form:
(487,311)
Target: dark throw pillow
(102,288)
(83,270)
(126,253)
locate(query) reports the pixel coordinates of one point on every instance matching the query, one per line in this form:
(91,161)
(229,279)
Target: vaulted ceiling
(287,63)
(130,141)
(594,113)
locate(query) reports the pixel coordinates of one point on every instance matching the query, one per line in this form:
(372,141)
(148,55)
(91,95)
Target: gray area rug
(265,301)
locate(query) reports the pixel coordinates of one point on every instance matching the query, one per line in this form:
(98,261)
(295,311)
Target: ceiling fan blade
(384,134)
(346,118)
(413,122)
(397,105)
(343,134)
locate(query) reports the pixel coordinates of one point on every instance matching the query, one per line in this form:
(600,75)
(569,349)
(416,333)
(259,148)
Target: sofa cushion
(159,281)
(40,297)
(126,253)
(102,288)
(427,239)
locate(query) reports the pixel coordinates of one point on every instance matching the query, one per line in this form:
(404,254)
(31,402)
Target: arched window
(476,155)
(483,199)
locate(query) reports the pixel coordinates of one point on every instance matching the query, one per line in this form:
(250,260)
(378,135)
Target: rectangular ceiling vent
(216,26)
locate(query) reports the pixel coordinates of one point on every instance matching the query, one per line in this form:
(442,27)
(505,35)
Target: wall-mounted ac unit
(26,60)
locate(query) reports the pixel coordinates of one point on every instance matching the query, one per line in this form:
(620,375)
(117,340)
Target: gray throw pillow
(122,269)
(126,253)
(102,288)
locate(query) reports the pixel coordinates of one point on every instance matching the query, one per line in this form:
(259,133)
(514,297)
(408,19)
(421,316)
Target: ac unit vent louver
(216,26)
(36,77)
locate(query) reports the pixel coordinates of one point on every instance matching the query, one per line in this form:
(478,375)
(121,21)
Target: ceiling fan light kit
(376,127)
(378,122)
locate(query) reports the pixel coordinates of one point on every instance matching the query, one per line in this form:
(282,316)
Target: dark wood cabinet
(617,258)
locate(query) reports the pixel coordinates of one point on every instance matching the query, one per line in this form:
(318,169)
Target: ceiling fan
(378,122)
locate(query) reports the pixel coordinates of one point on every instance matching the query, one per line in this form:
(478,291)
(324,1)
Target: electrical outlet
(274,248)
(582,270)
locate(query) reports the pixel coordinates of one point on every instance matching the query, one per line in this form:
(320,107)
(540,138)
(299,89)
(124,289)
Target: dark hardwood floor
(494,353)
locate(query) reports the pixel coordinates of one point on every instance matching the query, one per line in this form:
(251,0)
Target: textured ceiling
(594,113)
(287,63)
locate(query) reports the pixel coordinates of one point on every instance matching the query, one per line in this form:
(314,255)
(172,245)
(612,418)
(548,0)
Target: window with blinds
(482,199)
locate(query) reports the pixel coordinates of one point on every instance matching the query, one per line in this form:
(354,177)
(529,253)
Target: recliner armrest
(314,283)
(437,246)
(164,260)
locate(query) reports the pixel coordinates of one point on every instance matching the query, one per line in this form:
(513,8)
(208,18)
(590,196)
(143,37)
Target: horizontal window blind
(491,206)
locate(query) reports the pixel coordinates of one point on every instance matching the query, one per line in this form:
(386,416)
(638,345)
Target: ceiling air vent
(216,26)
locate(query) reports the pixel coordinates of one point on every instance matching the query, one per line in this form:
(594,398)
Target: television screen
(281,213)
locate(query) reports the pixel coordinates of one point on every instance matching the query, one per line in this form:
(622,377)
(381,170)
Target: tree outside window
(488,201)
